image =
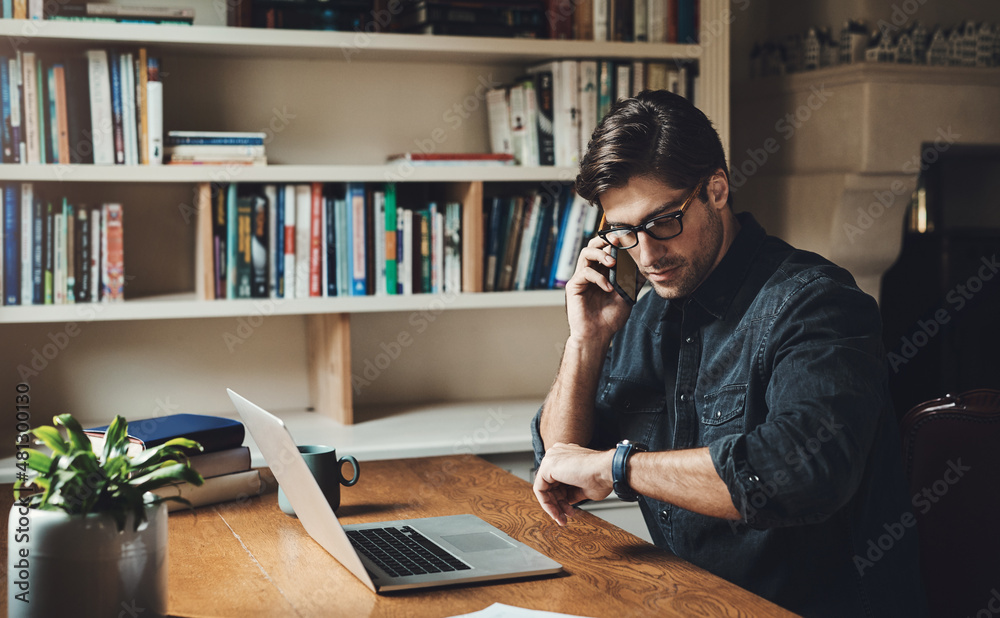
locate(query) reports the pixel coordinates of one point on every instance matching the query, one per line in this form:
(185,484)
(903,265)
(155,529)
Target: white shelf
(184,306)
(348,46)
(479,428)
(281,173)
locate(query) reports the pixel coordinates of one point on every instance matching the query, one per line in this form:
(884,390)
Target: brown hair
(657,134)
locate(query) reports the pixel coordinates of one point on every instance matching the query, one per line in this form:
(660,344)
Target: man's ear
(718,189)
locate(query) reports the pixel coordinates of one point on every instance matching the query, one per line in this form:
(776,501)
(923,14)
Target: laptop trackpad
(477,541)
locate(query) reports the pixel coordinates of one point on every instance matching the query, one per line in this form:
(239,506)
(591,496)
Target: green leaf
(51,438)
(116,439)
(165,476)
(38,461)
(77,438)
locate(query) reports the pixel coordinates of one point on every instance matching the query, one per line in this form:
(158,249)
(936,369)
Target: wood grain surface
(246,558)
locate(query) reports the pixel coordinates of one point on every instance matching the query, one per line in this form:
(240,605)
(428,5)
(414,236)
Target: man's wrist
(620,470)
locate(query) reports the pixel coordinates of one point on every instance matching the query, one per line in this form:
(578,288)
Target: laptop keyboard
(404,551)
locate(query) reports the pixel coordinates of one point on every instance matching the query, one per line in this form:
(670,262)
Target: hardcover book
(214,433)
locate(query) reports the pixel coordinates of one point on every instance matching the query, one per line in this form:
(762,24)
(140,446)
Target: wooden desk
(249,559)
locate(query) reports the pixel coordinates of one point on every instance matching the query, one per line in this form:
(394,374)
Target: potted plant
(91,540)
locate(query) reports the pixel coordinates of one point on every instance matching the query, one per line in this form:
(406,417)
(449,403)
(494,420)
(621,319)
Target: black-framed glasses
(662,227)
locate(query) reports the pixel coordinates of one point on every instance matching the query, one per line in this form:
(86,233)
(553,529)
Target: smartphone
(624,276)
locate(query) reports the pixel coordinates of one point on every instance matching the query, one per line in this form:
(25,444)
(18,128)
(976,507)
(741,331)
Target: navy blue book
(214,433)
(11,245)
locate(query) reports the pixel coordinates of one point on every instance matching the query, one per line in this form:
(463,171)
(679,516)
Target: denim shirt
(774,363)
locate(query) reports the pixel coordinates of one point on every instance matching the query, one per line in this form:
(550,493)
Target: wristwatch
(619,470)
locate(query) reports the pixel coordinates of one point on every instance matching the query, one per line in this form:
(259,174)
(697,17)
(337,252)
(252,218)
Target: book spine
(391,223)
(219,463)
(330,246)
(114,286)
(640,20)
(48,257)
(30,108)
(588,103)
(142,104)
(343,248)
(288,289)
(220,235)
(356,205)
(154,111)
(129,120)
(27,236)
(173,140)
(69,255)
(114,62)
(244,259)
(237,486)
(271,195)
(96,253)
(83,264)
(101,122)
(530,124)
(16,116)
(572,234)
(303,239)
(316,239)
(59,255)
(498,115)
(231,246)
(41,103)
(601,14)
(52,135)
(11,246)
(378,239)
(405,255)
(437,251)
(37,254)
(546,121)
(6,142)
(259,247)
(62,120)
(567,106)
(528,244)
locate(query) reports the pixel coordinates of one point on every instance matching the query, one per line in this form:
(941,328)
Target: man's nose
(649,250)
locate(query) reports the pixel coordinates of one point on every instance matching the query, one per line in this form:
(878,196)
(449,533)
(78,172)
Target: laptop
(392,555)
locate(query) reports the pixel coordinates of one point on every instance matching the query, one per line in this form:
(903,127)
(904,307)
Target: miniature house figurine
(969,36)
(955,47)
(881,48)
(919,35)
(985,38)
(829,53)
(811,51)
(937,50)
(904,49)
(793,54)
(853,42)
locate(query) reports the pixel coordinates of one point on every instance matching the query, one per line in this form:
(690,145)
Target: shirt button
(664,516)
(754,478)
(683,397)
(689,340)
(718,413)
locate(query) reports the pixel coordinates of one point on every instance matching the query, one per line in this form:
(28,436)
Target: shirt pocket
(626,396)
(722,410)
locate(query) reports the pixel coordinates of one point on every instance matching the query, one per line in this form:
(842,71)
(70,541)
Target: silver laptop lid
(303,492)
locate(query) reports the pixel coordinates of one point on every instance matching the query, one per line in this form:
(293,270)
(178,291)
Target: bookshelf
(334,104)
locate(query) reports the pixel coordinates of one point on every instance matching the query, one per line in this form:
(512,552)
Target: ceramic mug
(328,472)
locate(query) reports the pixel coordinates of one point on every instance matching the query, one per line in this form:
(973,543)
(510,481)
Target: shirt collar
(717,291)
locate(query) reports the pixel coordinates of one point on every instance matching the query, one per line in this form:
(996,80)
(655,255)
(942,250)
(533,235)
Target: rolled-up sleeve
(824,369)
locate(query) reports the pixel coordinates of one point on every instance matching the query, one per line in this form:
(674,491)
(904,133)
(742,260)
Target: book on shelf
(496,18)
(213,433)
(329,239)
(107,12)
(222,462)
(57,252)
(226,488)
(553,111)
(453,158)
(216,147)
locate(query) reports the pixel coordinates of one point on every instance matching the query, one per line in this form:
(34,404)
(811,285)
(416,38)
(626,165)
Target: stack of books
(497,18)
(224,463)
(58,253)
(533,239)
(547,116)
(324,239)
(216,148)
(114,13)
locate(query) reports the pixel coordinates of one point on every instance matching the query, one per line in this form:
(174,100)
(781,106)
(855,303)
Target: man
(752,378)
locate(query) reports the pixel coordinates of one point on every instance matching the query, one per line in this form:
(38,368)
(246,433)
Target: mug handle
(340,470)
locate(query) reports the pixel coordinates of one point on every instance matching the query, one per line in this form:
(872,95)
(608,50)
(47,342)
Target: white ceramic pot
(62,565)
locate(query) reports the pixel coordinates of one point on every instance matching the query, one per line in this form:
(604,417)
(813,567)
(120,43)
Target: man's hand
(594,310)
(568,474)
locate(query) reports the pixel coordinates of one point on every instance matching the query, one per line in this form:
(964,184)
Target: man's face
(677,266)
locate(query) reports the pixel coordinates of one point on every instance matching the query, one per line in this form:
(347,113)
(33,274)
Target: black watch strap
(619,470)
